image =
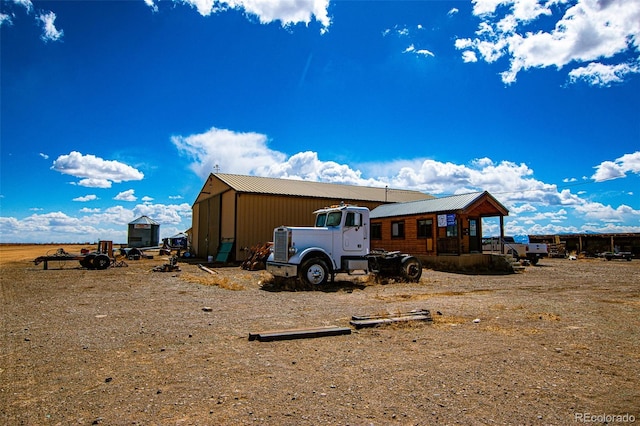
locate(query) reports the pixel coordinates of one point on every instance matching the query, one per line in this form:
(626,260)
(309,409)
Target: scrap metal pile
(257,257)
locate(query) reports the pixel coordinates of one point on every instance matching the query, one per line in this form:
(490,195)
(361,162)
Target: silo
(144,232)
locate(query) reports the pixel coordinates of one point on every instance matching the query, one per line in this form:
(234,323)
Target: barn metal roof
(434,205)
(302,188)
(143,220)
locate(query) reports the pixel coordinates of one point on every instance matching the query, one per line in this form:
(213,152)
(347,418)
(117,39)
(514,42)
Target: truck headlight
(292,250)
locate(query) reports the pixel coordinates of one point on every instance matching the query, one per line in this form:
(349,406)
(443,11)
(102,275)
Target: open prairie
(556,344)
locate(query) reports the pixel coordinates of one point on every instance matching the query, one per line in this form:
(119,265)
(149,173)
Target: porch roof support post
(501,234)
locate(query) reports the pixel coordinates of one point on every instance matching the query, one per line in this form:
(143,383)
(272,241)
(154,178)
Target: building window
(425,228)
(376,231)
(452,230)
(397,229)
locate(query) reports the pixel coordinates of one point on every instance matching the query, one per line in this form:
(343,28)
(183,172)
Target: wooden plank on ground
(361,321)
(299,333)
(204,268)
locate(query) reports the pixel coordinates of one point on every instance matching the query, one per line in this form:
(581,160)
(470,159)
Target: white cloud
(127,195)
(165,213)
(88,210)
(469,56)
(45,156)
(597,74)
(288,12)
(146,199)
(5,19)
(95,171)
(27,4)
(607,170)
(598,211)
(86,198)
(95,183)
(588,30)
(231,152)
(412,49)
(51,33)
(453,11)
(152,5)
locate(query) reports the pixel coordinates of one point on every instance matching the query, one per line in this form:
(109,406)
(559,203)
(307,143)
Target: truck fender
(300,257)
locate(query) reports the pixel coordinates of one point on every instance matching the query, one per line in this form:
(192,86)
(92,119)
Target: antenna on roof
(216,168)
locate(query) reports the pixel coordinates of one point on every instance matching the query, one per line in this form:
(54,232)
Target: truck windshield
(333,219)
(321,219)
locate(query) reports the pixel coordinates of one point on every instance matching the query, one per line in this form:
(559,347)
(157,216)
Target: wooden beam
(299,333)
(361,321)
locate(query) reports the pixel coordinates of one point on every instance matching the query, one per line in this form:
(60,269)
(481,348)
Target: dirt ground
(556,344)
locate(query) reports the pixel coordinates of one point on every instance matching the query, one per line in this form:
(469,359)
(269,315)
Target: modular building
(440,227)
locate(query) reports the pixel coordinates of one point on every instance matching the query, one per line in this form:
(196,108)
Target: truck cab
(338,242)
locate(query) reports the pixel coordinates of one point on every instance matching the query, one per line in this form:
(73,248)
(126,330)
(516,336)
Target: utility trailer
(99,259)
(339,242)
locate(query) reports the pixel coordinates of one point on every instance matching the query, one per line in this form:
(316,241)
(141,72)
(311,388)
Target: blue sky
(115,109)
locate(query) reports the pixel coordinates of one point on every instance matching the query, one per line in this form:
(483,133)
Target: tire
(314,272)
(87,262)
(533,260)
(411,269)
(101,261)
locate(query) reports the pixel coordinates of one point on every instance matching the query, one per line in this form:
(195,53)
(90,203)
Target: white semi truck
(339,242)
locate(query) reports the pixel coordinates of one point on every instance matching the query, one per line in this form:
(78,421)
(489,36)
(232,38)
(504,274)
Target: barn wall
(259,214)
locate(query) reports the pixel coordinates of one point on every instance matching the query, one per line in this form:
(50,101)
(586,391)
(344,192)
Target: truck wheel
(101,261)
(411,269)
(314,272)
(533,260)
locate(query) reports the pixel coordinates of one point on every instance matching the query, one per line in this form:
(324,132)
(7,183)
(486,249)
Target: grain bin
(144,232)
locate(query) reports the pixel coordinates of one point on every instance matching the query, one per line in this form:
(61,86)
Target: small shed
(143,232)
(178,241)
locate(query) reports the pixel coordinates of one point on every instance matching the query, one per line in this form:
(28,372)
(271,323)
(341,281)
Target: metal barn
(236,212)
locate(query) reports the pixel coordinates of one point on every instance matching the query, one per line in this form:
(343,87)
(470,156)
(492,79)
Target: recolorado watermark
(604,418)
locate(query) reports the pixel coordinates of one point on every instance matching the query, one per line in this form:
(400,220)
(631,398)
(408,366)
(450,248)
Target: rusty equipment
(172,266)
(257,257)
(102,258)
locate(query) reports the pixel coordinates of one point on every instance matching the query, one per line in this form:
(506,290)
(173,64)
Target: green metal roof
(436,205)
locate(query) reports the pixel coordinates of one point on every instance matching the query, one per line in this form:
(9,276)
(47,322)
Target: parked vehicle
(622,255)
(533,252)
(339,242)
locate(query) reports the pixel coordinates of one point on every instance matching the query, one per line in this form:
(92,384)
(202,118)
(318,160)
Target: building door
(474,236)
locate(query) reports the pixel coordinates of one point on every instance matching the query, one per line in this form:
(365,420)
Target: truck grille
(281,245)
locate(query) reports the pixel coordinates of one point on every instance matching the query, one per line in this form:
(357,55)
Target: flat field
(556,344)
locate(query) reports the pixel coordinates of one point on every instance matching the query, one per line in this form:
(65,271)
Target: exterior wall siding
(424,246)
